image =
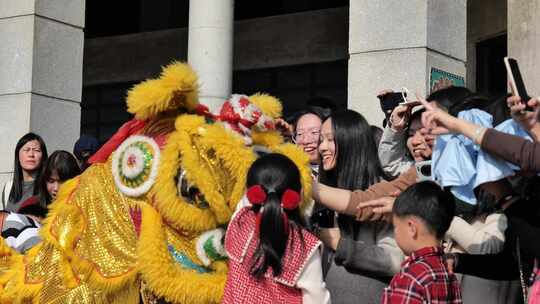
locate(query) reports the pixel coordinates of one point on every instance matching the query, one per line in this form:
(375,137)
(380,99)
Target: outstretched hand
(381,205)
(436,120)
(377,209)
(286,128)
(527,119)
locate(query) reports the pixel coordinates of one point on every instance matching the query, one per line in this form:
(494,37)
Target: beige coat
(485,235)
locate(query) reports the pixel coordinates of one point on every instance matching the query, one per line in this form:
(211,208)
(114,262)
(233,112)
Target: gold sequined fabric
(109,239)
(95,226)
(42,264)
(79,295)
(49,268)
(4,264)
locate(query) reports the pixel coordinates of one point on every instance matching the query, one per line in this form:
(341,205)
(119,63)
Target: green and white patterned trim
(210,246)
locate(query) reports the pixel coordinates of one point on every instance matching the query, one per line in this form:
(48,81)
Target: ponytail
(274,187)
(273,236)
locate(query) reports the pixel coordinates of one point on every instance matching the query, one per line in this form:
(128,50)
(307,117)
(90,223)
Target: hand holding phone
(411,104)
(389,101)
(517,86)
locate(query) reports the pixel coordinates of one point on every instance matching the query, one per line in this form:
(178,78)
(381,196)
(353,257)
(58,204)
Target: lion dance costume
(145,221)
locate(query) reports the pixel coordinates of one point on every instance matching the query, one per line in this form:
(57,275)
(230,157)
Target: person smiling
(307,133)
(365,254)
(30,155)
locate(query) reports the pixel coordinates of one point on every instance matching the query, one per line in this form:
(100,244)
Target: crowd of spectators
(483,154)
(440,206)
(36,180)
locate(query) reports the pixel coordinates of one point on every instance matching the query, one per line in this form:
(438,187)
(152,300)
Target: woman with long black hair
(362,256)
(272,257)
(30,155)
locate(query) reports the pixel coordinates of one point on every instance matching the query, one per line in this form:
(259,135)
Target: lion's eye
(189,192)
(135,164)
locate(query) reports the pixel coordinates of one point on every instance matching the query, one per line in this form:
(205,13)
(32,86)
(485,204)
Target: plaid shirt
(423,279)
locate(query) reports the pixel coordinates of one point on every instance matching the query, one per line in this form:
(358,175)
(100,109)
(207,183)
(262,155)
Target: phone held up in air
(516,81)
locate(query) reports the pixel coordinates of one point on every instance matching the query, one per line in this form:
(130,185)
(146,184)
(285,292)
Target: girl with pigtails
(272,257)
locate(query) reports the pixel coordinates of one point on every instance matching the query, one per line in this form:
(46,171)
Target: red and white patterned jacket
(241,243)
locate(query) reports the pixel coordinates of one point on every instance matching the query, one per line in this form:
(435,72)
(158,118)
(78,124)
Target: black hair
(16,189)
(415,116)
(357,162)
(275,173)
(457,99)
(34,209)
(428,202)
(65,165)
(317,111)
(499,109)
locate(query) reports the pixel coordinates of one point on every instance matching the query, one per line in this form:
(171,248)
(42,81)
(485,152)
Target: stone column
(524,41)
(210,46)
(40,74)
(394,44)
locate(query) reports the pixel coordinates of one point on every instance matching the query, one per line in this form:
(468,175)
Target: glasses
(306,136)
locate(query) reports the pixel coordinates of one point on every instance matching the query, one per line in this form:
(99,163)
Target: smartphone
(516,81)
(391,100)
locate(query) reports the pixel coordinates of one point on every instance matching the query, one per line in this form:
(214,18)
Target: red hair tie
(290,199)
(256,195)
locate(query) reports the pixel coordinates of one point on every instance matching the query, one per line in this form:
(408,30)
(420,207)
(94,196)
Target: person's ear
(412,228)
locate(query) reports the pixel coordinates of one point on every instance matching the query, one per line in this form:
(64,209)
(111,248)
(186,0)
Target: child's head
(60,167)
(422,214)
(274,188)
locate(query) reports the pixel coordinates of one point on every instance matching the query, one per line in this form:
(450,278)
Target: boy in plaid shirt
(421,216)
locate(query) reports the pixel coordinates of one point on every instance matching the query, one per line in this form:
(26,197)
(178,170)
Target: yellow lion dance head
(146,220)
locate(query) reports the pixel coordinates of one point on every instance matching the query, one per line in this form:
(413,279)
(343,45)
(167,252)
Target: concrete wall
(486,19)
(40,73)
(314,36)
(394,44)
(524,42)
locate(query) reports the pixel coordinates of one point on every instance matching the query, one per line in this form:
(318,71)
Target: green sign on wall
(440,79)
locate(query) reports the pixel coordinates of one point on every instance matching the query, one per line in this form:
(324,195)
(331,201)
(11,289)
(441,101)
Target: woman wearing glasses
(307,130)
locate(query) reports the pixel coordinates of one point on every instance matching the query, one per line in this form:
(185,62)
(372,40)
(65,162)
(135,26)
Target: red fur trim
(129,128)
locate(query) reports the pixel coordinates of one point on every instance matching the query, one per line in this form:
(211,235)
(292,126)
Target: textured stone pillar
(524,40)
(40,73)
(394,44)
(210,46)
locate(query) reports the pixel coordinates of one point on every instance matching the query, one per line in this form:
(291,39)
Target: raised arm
(520,151)
(517,150)
(392,148)
(347,202)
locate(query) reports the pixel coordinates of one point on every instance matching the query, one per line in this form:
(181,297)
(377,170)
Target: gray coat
(393,152)
(365,260)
